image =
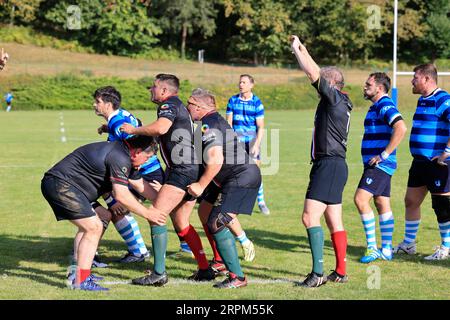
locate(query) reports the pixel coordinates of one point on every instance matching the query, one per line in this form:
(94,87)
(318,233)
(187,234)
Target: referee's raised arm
(306,63)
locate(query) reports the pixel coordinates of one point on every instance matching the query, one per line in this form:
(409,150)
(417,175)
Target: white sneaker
(264,209)
(441,253)
(249,251)
(408,248)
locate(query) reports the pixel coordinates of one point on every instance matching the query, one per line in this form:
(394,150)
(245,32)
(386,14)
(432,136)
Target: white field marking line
(62,129)
(177,282)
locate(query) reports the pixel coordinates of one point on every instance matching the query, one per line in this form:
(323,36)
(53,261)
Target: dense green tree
(115,27)
(263,27)
(19,11)
(184,17)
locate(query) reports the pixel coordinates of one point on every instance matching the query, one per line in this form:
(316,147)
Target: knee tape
(217,221)
(441,207)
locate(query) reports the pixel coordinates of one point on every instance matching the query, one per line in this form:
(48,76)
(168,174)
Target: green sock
(227,248)
(315,236)
(159,243)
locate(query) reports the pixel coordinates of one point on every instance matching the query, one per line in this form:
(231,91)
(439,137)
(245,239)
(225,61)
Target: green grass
(34,248)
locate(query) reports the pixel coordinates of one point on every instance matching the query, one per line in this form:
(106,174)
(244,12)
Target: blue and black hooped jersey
(115,121)
(380,118)
(245,113)
(431,126)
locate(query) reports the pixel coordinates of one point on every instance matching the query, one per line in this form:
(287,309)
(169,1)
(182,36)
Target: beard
(367,96)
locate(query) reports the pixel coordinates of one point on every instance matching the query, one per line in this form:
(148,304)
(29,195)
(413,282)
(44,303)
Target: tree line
(243,31)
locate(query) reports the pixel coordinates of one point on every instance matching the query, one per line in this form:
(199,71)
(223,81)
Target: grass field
(34,248)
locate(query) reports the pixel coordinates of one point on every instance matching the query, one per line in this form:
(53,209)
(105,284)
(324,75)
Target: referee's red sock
(339,239)
(216,253)
(84,273)
(193,240)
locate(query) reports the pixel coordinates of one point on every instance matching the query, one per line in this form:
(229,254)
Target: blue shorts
(375,181)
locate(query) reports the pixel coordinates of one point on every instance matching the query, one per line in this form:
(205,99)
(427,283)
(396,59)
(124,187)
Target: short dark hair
(248,76)
(143,142)
(383,79)
(109,94)
(427,69)
(170,79)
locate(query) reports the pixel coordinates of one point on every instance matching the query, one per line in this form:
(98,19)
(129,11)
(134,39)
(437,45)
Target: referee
(329,171)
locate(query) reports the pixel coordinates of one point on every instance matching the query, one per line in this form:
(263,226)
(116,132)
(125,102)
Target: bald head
(333,76)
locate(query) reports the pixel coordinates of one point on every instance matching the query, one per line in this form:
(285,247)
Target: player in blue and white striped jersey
(107,105)
(430,170)
(245,114)
(384,129)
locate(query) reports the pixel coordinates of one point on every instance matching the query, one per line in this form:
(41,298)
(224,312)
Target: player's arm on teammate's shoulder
(3,59)
(156,128)
(305,61)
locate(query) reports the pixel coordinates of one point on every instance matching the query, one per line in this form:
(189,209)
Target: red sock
(84,273)
(340,251)
(193,240)
(217,256)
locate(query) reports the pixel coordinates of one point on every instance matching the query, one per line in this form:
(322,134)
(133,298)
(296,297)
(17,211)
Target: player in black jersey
(78,180)
(174,129)
(329,171)
(230,180)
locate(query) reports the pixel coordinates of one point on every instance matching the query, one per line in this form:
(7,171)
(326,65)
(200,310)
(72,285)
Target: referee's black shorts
(327,180)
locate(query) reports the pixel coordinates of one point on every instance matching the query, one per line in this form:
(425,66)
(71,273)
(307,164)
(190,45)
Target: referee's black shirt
(331,122)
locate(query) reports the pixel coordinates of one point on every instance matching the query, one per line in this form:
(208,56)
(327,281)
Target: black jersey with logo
(177,144)
(238,168)
(93,168)
(331,122)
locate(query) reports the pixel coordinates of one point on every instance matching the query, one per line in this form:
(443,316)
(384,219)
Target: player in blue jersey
(245,114)
(107,105)
(430,169)
(8,98)
(384,129)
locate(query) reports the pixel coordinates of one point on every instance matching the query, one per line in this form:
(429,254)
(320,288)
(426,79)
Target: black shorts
(430,174)
(182,178)
(376,181)
(327,180)
(67,202)
(157,175)
(231,199)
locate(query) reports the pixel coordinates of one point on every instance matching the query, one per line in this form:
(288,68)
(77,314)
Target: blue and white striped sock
(444,229)
(368,220)
(386,229)
(411,228)
(261,194)
(129,230)
(242,238)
